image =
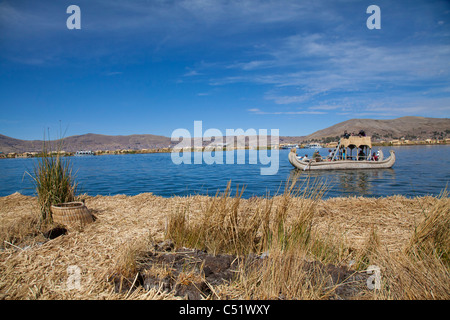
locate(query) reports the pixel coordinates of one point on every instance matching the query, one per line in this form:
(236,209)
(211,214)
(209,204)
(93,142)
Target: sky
(150,67)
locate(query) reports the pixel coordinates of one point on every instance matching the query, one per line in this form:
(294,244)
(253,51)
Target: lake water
(419,170)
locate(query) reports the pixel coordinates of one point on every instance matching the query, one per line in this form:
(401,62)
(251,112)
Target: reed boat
(313,146)
(289,146)
(84,153)
(343,158)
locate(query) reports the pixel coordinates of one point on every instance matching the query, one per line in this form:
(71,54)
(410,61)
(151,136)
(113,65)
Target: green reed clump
(54,181)
(300,197)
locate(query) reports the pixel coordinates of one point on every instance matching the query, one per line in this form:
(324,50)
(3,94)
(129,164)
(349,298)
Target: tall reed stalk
(226,225)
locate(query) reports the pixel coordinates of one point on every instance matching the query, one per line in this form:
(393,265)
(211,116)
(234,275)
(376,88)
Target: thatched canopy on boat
(355,142)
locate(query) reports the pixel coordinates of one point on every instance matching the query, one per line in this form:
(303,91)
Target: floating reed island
(290,246)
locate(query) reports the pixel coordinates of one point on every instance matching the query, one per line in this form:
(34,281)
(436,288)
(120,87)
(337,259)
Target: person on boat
(346,135)
(361,155)
(362,133)
(374,157)
(330,155)
(305,158)
(316,156)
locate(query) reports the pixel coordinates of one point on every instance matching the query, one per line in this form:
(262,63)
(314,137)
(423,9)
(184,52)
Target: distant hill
(8,144)
(408,127)
(92,141)
(88,141)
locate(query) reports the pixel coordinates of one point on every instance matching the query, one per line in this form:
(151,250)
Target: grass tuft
(227,225)
(54,180)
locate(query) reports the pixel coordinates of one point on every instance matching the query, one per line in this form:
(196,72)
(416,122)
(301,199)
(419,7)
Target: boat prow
(340,164)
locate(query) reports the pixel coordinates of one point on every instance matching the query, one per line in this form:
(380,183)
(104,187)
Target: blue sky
(152,66)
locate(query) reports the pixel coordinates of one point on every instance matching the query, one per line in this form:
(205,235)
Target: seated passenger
(361,155)
(346,135)
(330,155)
(374,157)
(316,156)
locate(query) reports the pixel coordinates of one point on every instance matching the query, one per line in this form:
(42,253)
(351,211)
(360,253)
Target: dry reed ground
(30,269)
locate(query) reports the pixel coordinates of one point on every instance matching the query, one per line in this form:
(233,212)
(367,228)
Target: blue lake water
(418,171)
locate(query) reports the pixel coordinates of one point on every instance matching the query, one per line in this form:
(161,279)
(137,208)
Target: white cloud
(326,107)
(258,111)
(303,53)
(315,70)
(192,73)
(287,99)
(114,73)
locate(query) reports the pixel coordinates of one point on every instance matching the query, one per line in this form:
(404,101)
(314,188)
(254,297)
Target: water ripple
(419,170)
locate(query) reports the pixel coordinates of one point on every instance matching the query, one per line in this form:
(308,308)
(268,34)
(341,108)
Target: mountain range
(407,127)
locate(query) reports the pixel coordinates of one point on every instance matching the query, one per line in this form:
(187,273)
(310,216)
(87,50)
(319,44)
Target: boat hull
(341,164)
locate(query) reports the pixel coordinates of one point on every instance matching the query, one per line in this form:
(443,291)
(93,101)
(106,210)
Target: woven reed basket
(71,214)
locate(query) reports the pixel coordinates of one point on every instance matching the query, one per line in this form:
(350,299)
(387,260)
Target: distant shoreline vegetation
(392,143)
(128,151)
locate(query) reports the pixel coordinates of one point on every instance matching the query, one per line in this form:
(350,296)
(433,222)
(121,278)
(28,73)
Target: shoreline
(220,192)
(14,155)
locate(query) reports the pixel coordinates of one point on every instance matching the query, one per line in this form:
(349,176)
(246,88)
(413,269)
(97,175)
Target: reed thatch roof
(356,142)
